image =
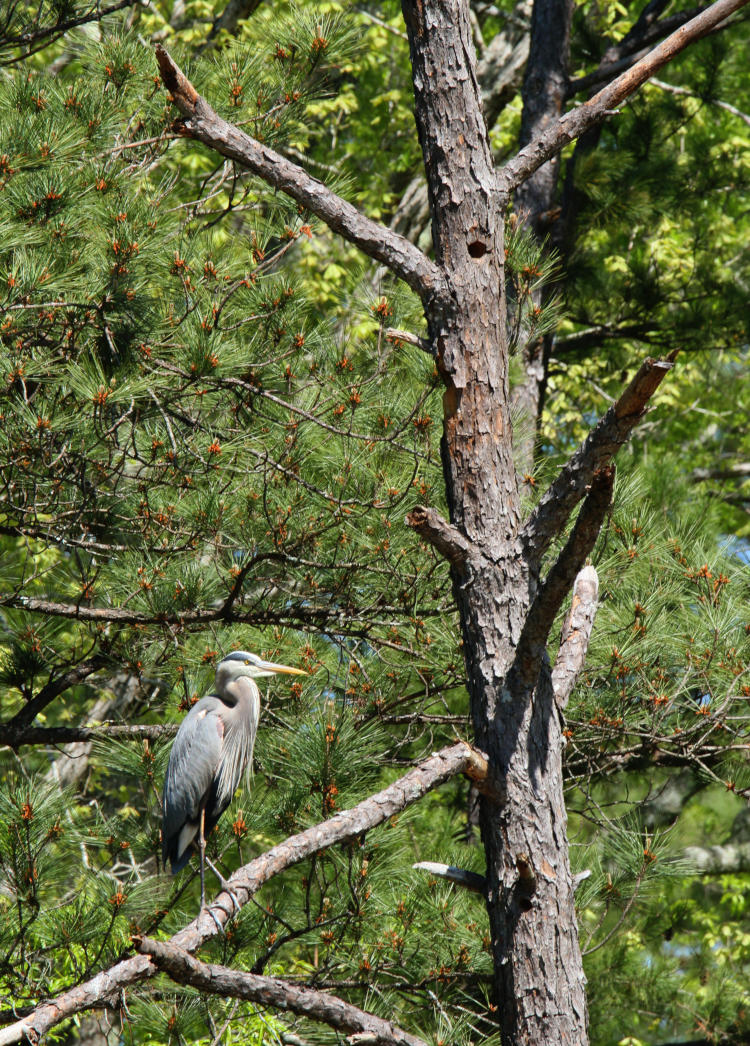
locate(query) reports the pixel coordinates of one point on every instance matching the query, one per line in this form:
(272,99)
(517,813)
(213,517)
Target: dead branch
(575,122)
(377,241)
(605,439)
(576,632)
(273,992)
(106,987)
(55,686)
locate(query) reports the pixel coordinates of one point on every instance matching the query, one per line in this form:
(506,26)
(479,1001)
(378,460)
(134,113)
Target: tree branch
(576,632)
(106,986)
(64,735)
(55,686)
(273,992)
(557,583)
(575,122)
(552,512)
(50,33)
(377,241)
(448,541)
(632,47)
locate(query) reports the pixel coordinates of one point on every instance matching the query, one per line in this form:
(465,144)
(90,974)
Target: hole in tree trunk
(524,904)
(477,249)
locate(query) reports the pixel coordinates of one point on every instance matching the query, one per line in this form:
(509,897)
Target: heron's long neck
(243,695)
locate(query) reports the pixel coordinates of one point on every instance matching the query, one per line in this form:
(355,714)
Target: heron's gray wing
(193,762)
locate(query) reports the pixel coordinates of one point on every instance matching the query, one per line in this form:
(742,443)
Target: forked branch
(275,993)
(377,241)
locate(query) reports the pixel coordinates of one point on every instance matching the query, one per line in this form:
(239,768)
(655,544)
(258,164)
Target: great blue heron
(210,753)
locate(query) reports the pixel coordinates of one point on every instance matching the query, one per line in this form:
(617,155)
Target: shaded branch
(64,735)
(106,987)
(377,241)
(576,633)
(556,585)
(740,471)
(674,89)
(273,992)
(55,686)
(600,446)
(32,38)
(632,47)
(575,122)
(323,617)
(227,21)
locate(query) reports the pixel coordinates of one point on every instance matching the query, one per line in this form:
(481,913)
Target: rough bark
(538,971)
(495,563)
(499,73)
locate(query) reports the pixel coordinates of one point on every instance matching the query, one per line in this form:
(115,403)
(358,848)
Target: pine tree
(195,459)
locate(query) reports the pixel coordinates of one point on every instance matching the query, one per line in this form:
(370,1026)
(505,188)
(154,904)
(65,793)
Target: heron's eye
(247,662)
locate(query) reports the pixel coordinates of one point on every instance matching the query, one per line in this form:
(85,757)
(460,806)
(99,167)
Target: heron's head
(239,663)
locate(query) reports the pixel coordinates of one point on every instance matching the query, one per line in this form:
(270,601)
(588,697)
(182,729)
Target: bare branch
(552,512)
(576,632)
(575,122)
(273,992)
(393,334)
(106,986)
(461,876)
(377,241)
(448,541)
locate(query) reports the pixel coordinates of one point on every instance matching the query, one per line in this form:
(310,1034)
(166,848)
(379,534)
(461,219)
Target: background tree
(188,449)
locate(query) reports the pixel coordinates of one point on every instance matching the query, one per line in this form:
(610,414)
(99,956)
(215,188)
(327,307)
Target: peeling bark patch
(477,249)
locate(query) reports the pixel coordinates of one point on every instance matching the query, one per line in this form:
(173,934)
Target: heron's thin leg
(224,884)
(202,848)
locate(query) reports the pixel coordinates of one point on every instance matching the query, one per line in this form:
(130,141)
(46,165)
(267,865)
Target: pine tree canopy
(318,361)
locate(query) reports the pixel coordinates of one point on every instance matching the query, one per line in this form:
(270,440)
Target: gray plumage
(212,750)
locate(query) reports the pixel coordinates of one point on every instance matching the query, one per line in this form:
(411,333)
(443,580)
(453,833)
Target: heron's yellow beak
(284,670)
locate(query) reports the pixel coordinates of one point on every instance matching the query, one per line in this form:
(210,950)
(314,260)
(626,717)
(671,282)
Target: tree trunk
(539,975)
